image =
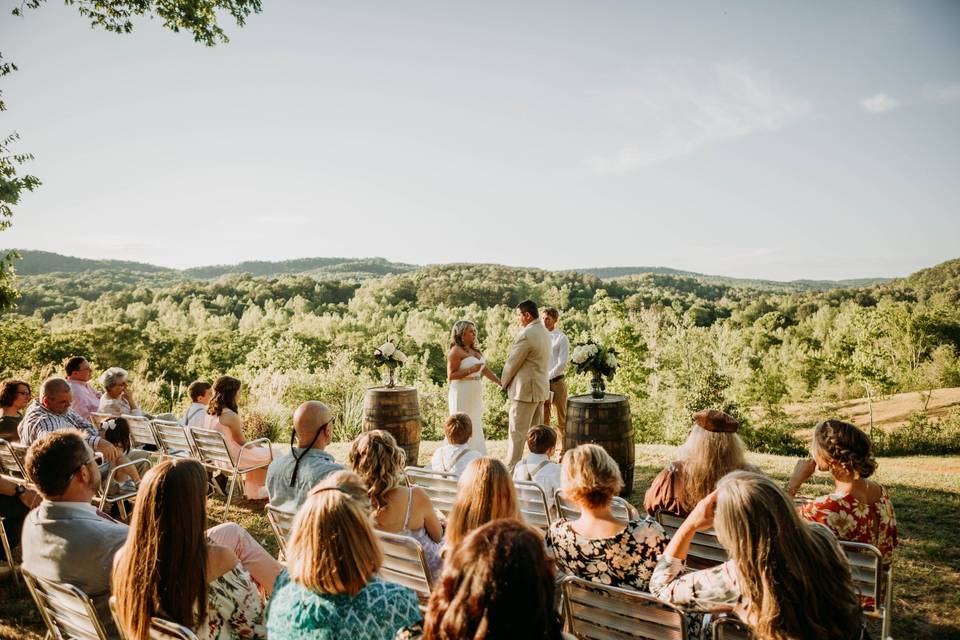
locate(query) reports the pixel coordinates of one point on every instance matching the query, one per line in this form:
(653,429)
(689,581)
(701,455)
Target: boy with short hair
(200,393)
(538,466)
(454,456)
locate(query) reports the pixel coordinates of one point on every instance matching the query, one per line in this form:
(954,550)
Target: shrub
(920,436)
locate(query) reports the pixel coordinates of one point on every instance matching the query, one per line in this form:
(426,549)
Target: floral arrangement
(598,360)
(389,356)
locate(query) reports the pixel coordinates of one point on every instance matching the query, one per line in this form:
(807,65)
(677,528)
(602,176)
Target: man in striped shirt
(51,412)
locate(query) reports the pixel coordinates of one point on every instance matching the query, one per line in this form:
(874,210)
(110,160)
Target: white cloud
(879,103)
(942,93)
(673,111)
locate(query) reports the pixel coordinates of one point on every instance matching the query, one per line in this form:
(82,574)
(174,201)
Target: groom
(525,378)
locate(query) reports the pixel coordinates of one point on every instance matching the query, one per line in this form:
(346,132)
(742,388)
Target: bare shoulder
(220,560)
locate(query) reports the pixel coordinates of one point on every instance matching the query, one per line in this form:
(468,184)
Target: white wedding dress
(466,395)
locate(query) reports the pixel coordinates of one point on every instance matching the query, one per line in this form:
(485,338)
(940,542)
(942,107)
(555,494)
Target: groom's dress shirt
(559,354)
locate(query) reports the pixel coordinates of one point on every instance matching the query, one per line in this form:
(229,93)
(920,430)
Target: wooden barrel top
(610,398)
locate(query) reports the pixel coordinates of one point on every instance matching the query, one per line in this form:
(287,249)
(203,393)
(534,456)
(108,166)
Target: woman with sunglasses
(14,396)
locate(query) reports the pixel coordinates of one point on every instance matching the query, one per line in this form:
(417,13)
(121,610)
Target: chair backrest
(172,439)
(66,610)
(729,628)
(211,448)
(96,418)
(160,629)
(404,563)
(705,550)
(568,510)
(533,504)
(11,465)
(141,431)
(595,611)
(440,486)
(866,567)
(281,522)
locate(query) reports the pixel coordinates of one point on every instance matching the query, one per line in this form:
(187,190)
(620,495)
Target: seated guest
(497,584)
(485,493)
(52,412)
(330,588)
(456,454)
(786,578)
(712,450)
(407,511)
(169,568)
(200,394)
(116,431)
(223,416)
(291,476)
(86,399)
(858,510)
(14,396)
(67,539)
(349,483)
(117,398)
(538,467)
(597,546)
(15,503)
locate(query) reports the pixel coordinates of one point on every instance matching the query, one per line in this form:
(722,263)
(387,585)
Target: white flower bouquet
(598,360)
(389,356)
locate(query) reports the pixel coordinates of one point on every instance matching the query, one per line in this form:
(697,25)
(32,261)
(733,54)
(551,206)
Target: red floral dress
(857,521)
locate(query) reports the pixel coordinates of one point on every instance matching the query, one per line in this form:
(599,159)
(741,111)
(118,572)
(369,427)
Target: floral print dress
(624,560)
(234,608)
(856,521)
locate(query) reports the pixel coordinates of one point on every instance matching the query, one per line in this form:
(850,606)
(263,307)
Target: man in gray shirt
(290,477)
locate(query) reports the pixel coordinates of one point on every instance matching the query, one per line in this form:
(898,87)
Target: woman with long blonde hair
(485,493)
(712,450)
(168,568)
(330,588)
(465,366)
(787,578)
(379,461)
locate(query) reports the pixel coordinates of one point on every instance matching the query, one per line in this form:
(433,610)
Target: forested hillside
(685,343)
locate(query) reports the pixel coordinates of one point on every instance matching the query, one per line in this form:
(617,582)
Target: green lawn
(925,492)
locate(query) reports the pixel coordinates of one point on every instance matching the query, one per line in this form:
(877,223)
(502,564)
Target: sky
(750,139)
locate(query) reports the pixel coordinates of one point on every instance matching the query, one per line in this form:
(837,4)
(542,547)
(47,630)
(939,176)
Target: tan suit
(525,379)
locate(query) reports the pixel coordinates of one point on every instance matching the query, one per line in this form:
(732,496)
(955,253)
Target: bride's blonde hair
(456,334)
(792,573)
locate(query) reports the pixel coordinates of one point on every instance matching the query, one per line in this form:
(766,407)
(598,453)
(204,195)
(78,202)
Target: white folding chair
(726,627)
(533,504)
(142,431)
(97,419)
(5,542)
(568,510)
(107,497)
(172,440)
(214,454)
(598,612)
(281,522)
(11,463)
(404,563)
(705,550)
(873,581)
(160,629)
(441,487)
(66,610)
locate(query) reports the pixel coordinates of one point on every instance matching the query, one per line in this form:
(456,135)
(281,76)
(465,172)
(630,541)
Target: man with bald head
(290,477)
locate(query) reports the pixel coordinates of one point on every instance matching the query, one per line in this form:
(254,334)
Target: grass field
(925,492)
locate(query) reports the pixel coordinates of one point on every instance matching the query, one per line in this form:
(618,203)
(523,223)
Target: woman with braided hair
(858,510)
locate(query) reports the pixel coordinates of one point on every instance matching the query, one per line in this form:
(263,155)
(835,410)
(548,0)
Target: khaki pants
(523,415)
(559,402)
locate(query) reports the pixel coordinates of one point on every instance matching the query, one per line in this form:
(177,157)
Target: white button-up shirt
(559,354)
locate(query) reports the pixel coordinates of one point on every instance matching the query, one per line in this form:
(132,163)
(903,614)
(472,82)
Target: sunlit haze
(746,139)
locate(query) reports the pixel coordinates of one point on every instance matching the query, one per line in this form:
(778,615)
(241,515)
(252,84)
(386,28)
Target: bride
(465,365)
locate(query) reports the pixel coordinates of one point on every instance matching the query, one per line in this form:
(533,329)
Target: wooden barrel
(396,411)
(606,423)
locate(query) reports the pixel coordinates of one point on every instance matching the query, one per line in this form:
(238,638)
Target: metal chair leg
(9,553)
(233,484)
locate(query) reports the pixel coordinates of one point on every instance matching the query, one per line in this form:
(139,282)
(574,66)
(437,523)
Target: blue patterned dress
(377,612)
